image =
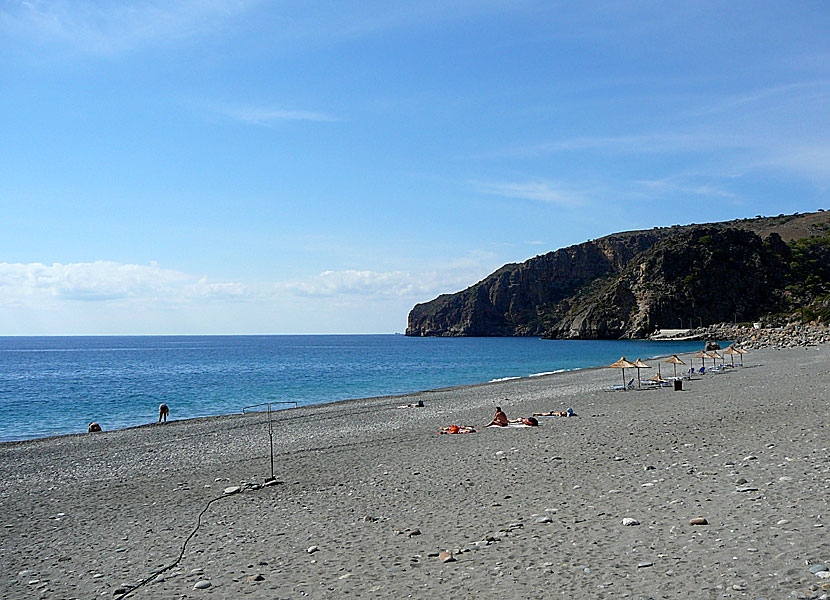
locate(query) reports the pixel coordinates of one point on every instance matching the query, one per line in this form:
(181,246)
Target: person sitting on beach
(164,410)
(499,419)
(93,428)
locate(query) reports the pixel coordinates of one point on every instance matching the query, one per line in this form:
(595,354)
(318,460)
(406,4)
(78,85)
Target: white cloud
(392,284)
(353,282)
(40,285)
(539,191)
(37,285)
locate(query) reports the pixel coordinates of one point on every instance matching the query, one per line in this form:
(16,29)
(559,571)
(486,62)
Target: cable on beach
(155,574)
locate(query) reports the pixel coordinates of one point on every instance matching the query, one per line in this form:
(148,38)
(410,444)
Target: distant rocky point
(631,284)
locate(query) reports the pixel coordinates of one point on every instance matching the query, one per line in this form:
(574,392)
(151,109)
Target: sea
(58,385)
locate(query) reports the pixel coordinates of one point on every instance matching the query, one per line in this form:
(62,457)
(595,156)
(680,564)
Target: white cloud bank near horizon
(107,297)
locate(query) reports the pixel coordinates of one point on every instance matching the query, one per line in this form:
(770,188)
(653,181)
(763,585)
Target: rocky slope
(628,284)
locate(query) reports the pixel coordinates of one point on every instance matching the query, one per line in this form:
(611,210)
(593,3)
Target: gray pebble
(201,585)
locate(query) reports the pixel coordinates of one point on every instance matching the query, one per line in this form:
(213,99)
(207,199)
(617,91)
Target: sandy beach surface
(369,495)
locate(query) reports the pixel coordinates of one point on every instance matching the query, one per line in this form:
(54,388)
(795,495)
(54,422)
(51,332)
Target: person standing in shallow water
(164,410)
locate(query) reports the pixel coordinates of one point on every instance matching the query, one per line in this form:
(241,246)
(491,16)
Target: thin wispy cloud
(671,187)
(768,98)
(537,191)
(98,27)
(808,160)
(643,143)
(268,117)
(106,28)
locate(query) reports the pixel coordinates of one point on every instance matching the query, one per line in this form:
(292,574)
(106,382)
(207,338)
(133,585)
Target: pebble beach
(720,490)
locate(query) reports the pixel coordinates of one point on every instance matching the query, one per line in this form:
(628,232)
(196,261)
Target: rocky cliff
(628,284)
(707,275)
(525,299)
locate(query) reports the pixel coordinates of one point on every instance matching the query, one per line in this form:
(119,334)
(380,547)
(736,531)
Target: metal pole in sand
(270,429)
(271,441)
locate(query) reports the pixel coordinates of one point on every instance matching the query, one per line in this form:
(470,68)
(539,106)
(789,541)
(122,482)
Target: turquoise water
(57,385)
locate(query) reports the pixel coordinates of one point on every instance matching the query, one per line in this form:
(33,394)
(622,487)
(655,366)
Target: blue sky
(213,166)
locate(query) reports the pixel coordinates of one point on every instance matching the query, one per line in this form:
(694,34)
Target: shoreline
(389,397)
(375,493)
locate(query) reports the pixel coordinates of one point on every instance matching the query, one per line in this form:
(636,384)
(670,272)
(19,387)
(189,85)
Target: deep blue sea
(57,385)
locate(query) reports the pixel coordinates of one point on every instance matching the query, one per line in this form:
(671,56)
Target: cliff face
(628,284)
(706,275)
(524,299)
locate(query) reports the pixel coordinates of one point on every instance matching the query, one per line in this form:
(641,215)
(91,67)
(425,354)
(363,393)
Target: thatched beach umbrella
(742,351)
(657,378)
(714,356)
(622,364)
(639,364)
(731,351)
(673,359)
(701,355)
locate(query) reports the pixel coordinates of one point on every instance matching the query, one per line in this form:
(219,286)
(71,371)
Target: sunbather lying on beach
(418,404)
(563,413)
(499,419)
(532,422)
(458,429)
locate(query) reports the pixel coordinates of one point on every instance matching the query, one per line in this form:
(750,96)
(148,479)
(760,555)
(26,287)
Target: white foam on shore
(549,373)
(542,374)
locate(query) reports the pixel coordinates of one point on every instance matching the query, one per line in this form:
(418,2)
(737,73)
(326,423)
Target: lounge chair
(618,388)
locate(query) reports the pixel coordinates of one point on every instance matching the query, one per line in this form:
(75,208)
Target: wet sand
(369,494)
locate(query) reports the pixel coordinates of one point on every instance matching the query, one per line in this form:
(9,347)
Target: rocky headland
(631,284)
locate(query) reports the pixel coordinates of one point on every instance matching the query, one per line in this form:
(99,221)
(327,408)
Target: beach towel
(457,429)
(510,426)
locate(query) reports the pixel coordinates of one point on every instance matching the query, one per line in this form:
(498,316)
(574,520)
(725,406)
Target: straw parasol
(657,378)
(742,351)
(673,359)
(731,351)
(701,355)
(639,364)
(714,356)
(623,364)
